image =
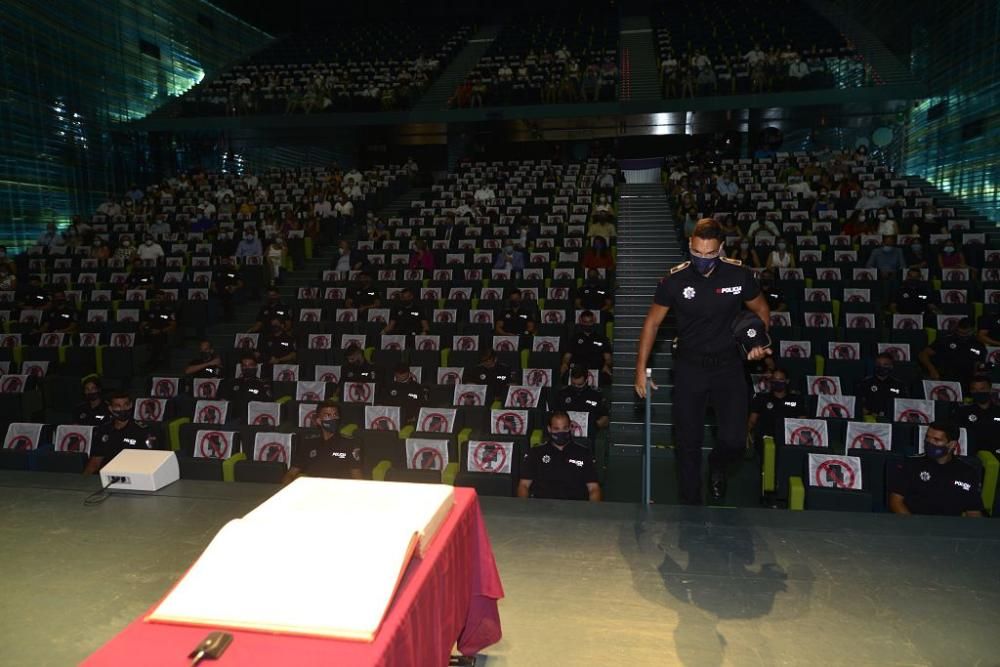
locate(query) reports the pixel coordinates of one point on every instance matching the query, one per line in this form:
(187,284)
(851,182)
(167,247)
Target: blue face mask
(935,451)
(702,265)
(329,425)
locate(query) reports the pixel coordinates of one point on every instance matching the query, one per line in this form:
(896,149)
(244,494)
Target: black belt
(715,360)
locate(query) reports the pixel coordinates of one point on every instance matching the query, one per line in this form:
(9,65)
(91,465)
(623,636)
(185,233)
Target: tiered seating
(110,313)
(759,46)
(546,59)
(833,313)
(361,67)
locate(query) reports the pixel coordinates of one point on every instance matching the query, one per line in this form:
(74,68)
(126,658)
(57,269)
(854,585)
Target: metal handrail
(647,489)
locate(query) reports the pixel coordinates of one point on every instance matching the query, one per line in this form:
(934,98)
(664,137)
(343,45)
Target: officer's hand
(759,353)
(640,383)
(934,374)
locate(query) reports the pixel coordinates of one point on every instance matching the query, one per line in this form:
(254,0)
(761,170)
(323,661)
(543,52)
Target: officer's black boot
(717,486)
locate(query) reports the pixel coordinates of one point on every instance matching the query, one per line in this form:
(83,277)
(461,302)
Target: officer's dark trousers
(696,386)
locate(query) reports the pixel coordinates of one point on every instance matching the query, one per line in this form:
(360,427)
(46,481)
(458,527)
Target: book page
(347,574)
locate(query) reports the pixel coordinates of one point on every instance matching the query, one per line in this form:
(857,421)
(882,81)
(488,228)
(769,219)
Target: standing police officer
(707,293)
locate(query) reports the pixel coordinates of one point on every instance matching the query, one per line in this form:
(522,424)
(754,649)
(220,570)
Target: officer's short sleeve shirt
(929,487)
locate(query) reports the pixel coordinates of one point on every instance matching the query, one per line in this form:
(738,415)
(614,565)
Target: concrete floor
(586,584)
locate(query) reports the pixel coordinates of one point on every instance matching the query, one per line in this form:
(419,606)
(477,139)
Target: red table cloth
(450,594)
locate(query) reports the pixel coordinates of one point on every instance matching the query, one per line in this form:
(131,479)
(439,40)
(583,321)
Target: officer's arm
(94,464)
(499,327)
(291,475)
(983,336)
(389,327)
(524,488)
(925,361)
(897,504)
(758,306)
(425,326)
(593,492)
(654,317)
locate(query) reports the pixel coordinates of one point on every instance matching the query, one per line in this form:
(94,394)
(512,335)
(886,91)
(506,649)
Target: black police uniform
(774,296)
(363,372)
(771,410)
(410,396)
(158,317)
(913,298)
(929,487)
(59,317)
(708,365)
(561,474)
(109,441)
(408,319)
(876,395)
(242,390)
(588,349)
(515,320)
(958,357)
(333,457)
(585,399)
(208,371)
(226,277)
(276,311)
(593,295)
(497,379)
(87,415)
(141,277)
(278,346)
(363,297)
(981,424)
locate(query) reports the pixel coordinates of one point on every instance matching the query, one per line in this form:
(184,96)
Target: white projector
(141,470)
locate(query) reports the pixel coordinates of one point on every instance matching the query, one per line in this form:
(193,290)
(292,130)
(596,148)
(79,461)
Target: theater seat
(263,472)
(395,474)
(838,500)
(487,484)
(198,468)
(52,461)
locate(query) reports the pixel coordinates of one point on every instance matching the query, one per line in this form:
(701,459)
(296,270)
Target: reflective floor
(586,584)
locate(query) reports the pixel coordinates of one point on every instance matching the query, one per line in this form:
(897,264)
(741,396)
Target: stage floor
(586,584)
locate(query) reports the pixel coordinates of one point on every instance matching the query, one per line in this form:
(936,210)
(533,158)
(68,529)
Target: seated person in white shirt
(150,250)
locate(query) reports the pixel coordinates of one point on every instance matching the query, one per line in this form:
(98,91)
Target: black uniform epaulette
(680,267)
(729,260)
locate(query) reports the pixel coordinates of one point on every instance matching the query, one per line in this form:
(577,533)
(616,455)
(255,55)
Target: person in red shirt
(598,256)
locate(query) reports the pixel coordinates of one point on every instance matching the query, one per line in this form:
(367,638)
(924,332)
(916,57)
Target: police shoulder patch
(680,267)
(729,260)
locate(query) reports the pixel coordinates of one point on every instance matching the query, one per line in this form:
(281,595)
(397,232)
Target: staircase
(437,96)
(944,199)
(640,81)
(647,248)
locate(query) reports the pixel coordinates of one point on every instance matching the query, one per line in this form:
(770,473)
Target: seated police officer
(356,368)
(579,396)
(208,363)
(775,297)
(936,482)
(118,433)
(278,347)
(518,318)
(559,468)
(326,453)
(594,293)
(981,417)
(877,392)
(363,294)
(405,392)
(60,316)
(769,410)
(273,309)
(588,348)
(94,409)
(247,386)
(988,329)
(158,325)
(956,356)
(406,316)
(226,282)
(914,296)
(494,374)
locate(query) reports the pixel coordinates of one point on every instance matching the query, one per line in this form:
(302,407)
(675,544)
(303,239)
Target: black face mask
(883,371)
(578,387)
(208,355)
(329,425)
(778,386)
(562,438)
(92,396)
(981,397)
(587,328)
(250,371)
(121,415)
